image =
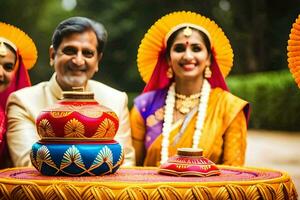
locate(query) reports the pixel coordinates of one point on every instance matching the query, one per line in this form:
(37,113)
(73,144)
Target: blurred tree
(25,15)
(127,22)
(53,13)
(280,17)
(258,31)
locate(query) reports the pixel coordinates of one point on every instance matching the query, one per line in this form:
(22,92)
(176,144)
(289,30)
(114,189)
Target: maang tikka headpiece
(3,50)
(187,32)
(3,47)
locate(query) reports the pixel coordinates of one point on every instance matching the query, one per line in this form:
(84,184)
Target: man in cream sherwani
(76,50)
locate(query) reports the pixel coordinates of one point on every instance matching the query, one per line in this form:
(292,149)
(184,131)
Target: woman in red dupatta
(184,59)
(17,54)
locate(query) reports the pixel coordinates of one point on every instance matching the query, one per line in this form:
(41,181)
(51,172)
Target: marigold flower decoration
(293,49)
(153,42)
(24,44)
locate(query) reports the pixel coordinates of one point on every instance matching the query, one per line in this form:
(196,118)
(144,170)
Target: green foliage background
(257,29)
(273,97)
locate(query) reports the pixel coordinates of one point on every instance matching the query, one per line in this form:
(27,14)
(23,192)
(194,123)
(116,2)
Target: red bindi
(187,43)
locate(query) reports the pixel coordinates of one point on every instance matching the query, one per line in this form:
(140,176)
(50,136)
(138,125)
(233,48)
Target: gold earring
(207,72)
(170,73)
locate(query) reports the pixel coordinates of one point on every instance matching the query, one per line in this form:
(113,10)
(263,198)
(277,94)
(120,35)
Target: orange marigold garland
(293,49)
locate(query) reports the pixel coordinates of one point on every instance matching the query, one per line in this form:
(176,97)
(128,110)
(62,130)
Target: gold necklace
(184,103)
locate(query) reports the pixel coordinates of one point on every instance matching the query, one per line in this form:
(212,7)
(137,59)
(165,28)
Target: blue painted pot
(55,159)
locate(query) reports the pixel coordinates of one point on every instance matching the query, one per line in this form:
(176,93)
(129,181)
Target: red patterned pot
(189,162)
(78,116)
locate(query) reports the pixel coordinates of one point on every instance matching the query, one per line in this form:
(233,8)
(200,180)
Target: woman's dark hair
(79,25)
(10,48)
(173,36)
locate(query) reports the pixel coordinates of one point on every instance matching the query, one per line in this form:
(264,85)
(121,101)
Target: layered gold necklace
(184,104)
(168,118)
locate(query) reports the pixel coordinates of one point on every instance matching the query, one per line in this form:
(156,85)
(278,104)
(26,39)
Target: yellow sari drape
(223,137)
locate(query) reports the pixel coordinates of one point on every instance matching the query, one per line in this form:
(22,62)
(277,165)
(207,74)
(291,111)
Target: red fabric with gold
(74,119)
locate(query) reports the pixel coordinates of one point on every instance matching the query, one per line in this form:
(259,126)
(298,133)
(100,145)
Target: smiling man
(75,53)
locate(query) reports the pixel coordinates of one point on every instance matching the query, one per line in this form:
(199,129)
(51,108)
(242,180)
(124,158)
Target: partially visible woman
(17,54)
(184,58)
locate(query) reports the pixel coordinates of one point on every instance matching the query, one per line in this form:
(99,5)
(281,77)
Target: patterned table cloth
(145,183)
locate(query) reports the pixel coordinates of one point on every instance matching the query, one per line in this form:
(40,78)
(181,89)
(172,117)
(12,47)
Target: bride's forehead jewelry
(3,50)
(187,32)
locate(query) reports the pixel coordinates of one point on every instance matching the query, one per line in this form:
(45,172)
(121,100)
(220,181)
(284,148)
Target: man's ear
(99,58)
(51,55)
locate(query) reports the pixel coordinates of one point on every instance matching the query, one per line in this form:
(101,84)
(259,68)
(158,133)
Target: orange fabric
(138,135)
(223,138)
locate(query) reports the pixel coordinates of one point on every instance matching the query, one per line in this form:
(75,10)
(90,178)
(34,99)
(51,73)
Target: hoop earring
(170,73)
(207,72)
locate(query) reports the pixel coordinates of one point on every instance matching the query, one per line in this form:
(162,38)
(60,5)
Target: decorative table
(145,183)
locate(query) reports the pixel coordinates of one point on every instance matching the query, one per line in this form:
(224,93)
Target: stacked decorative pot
(77,138)
(189,162)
